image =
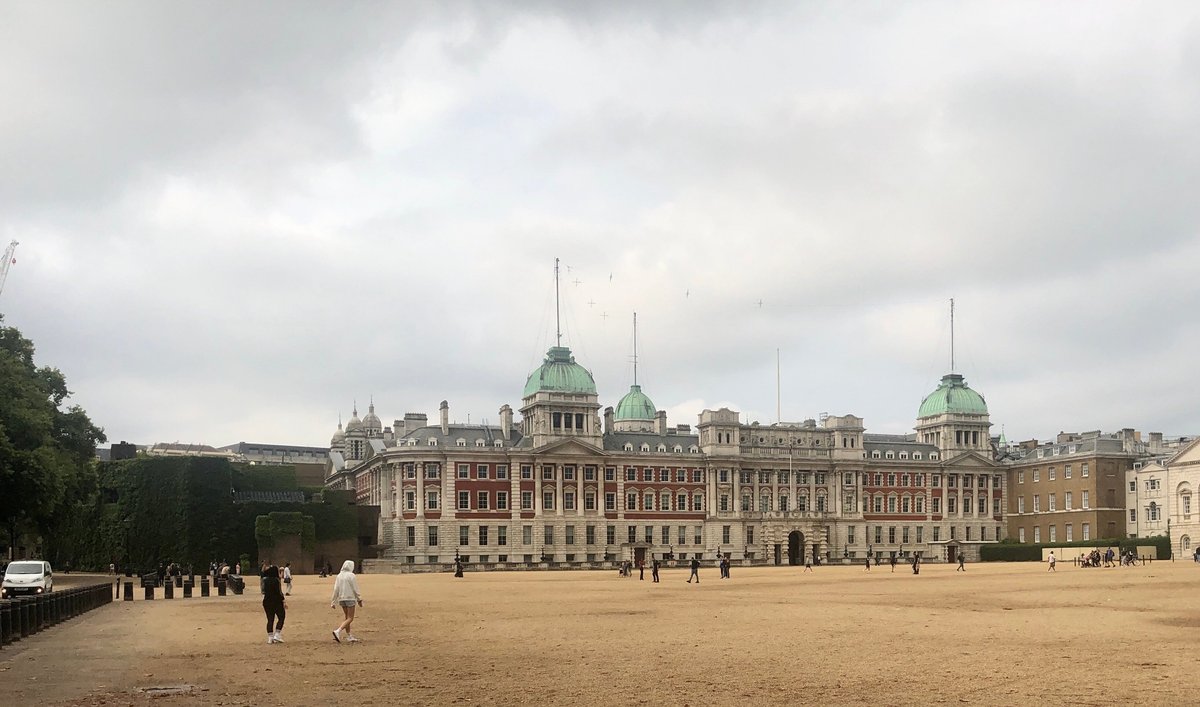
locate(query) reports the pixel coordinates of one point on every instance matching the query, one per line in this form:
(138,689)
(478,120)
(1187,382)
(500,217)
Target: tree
(46,453)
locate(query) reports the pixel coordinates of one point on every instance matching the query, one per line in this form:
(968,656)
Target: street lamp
(128,523)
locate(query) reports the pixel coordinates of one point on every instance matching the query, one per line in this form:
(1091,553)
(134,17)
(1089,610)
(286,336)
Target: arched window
(1186,543)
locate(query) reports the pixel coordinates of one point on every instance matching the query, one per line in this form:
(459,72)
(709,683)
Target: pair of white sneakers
(339,636)
(276,637)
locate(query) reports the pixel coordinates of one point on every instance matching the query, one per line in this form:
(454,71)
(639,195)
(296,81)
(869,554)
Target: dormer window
(498,443)
(662,448)
(933,456)
(917,456)
(479,443)
(904,455)
(460,442)
(645,447)
(628,446)
(693,449)
(875,454)
(412,442)
(433,441)
(678,449)
(890,454)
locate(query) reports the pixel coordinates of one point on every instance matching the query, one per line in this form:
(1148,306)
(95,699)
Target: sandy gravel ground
(997,634)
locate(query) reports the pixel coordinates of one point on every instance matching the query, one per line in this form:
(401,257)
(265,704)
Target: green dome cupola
(636,405)
(952,396)
(560,374)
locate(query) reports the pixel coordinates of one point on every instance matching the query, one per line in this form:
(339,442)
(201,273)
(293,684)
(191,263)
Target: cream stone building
(571,485)
(1161,499)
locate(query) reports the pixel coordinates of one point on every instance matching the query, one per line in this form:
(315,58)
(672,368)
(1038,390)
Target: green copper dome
(952,396)
(560,374)
(635,405)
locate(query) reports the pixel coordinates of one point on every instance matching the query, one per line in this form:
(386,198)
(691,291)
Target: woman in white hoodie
(346,595)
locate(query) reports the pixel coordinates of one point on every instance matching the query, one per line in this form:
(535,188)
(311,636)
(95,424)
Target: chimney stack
(608,421)
(445,409)
(661,419)
(505,421)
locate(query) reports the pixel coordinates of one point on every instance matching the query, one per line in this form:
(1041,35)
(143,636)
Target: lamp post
(127,523)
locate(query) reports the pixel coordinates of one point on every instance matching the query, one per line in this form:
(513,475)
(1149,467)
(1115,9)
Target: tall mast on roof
(557,317)
(952,335)
(635,348)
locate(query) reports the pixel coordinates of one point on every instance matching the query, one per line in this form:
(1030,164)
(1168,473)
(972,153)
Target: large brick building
(568,483)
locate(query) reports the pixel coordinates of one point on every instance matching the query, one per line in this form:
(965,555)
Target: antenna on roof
(635,348)
(557,317)
(952,335)
(778,388)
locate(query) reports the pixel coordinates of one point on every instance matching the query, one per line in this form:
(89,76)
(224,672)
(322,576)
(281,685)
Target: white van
(28,577)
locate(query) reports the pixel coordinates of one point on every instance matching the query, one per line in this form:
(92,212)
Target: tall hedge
(1016,552)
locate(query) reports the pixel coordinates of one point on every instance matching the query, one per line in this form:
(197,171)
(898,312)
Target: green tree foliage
(47,453)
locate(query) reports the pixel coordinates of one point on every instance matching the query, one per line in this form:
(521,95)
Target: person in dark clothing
(695,571)
(654,571)
(641,569)
(893,563)
(961,566)
(274,604)
(916,563)
(458,567)
(868,563)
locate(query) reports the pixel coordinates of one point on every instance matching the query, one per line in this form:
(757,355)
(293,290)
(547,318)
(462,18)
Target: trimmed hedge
(1015,552)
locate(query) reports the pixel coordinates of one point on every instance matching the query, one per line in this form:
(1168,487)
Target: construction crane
(8,261)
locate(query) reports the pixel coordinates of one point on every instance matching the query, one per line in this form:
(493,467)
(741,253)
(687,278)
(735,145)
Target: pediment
(1188,455)
(570,447)
(970,460)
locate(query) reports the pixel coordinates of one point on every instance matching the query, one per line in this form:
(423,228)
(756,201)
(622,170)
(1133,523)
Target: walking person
(867,563)
(893,563)
(345,595)
(641,570)
(695,571)
(808,565)
(274,605)
(287,578)
(916,564)
(1052,562)
(961,563)
(654,571)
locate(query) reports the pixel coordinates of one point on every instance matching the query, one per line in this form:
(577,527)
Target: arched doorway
(795,547)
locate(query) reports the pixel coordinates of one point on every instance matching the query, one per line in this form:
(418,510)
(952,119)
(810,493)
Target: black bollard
(169,590)
(179,581)
(204,586)
(128,591)
(6,621)
(150,591)
(220,587)
(24,621)
(187,590)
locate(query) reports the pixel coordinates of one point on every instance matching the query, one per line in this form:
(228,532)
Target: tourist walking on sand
(1052,562)
(893,563)
(654,571)
(641,569)
(274,605)
(867,563)
(287,578)
(808,565)
(345,595)
(961,563)
(916,564)
(695,571)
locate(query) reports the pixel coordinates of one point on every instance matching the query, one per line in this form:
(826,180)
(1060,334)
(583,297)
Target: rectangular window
(750,535)
(995,506)
(1068,533)
(1067,501)
(482,499)
(589,534)
(1052,502)
(610,534)
(1067,471)
(589,473)
(431,535)
(610,473)
(547,500)
(649,534)
(632,533)
(589,501)
(683,535)
(1084,500)
(952,529)
(568,500)
(502,471)
(936,505)
(548,535)
(412,535)
(1050,476)
(724,502)
(891,535)
(526,500)
(481,471)
(878,534)
(1037,504)
(502,500)
(1020,535)
(1083,471)
(904,534)
(568,473)
(1037,533)
(723,476)
(431,500)
(1054,533)
(610,501)
(526,471)
(698,535)
(570,538)
(464,500)
(1186,500)
(850,535)
(410,500)
(1087,528)
(1020,504)
(547,472)
(725,534)
(1132,515)
(630,474)
(502,535)
(666,535)
(526,535)
(483,535)
(982,506)
(410,471)
(464,535)
(920,534)
(952,505)
(631,502)
(464,471)
(937,533)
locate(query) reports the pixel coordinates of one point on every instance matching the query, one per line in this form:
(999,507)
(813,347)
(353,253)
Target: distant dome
(371,421)
(952,396)
(636,405)
(560,374)
(354,423)
(338,437)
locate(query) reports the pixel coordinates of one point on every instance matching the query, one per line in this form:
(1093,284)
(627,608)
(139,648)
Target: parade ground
(999,634)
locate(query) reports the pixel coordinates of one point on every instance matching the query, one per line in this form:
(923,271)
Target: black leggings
(273,611)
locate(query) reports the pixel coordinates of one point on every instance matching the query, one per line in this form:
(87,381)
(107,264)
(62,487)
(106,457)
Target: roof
(268,497)
(896,443)
(635,405)
(616,441)
(953,396)
(561,374)
(488,433)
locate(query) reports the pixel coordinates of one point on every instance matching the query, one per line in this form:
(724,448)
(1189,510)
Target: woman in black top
(274,605)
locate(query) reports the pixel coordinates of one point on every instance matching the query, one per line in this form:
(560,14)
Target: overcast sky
(236,219)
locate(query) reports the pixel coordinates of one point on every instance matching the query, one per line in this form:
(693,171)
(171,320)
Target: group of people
(1108,559)
(346,595)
